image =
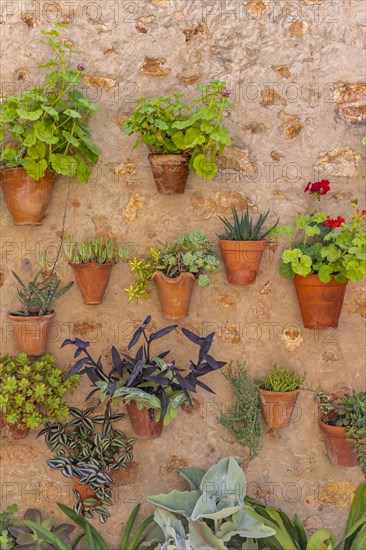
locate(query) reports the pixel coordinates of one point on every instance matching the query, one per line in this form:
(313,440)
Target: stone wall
(296,72)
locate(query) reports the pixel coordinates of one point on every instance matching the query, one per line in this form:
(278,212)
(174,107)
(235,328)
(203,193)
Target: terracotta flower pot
(12,431)
(340,451)
(174,294)
(32,332)
(27,199)
(83,490)
(277,407)
(92,280)
(143,421)
(170,173)
(320,303)
(242,259)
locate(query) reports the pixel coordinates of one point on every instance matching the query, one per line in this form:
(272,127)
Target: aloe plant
(244,228)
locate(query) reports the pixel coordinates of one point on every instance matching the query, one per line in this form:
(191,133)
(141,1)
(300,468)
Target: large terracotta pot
(92,280)
(174,294)
(27,199)
(83,490)
(277,407)
(12,431)
(32,332)
(320,303)
(143,421)
(242,259)
(340,451)
(170,173)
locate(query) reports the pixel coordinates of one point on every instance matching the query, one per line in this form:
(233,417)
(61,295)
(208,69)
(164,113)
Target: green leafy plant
(243,420)
(327,246)
(347,409)
(96,249)
(26,535)
(193,253)
(89,455)
(46,128)
(169,126)
(7,541)
(290,533)
(212,514)
(31,392)
(282,379)
(243,228)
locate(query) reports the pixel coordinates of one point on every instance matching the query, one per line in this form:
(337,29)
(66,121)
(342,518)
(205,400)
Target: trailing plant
(38,295)
(290,533)
(193,253)
(282,379)
(89,455)
(244,228)
(243,419)
(325,246)
(26,535)
(213,514)
(146,378)
(169,126)
(348,410)
(96,249)
(7,541)
(46,128)
(32,392)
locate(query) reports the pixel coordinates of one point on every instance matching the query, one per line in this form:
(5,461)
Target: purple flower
(226,93)
(81,66)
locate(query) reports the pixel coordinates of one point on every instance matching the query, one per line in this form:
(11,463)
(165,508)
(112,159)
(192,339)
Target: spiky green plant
(244,228)
(282,379)
(95,249)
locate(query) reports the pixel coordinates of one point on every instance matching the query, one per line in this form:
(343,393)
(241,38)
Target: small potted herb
(44,132)
(322,255)
(182,137)
(152,388)
(31,392)
(32,322)
(343,423)
(242,246)
(92,261)
(174,268)
(278,393)
(92,458)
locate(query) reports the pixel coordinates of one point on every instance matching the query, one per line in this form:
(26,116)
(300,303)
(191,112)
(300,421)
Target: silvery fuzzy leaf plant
(213,514)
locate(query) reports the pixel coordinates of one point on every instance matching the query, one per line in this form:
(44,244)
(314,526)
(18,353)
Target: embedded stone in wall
(337,493)
(125,169)
(269,97)
(236,159)
(276,155)
(330,355)
(298,28)
(96,81)
(2,278)
(342,161)
(172,464)
(224,298)
(208,206)
(282,70)
(187,79)
(195,31)
(30,20)
(291,126)
(351,101)
(256,8)
(153,66)
(292,338)
(135,204)
(140,27)
(102,225)
(257,127)
(162,3)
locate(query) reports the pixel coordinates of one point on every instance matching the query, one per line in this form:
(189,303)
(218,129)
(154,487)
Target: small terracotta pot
(27,199)
(32,332)
(143,421)
(340,451)
(83,490)
(92,280)
(242,259)
(320,303)
(174,294)
(170,173)
(12,431)
(277,407)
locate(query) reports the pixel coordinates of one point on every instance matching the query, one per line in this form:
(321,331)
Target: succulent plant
(7,541)
(26,537)
(96,249)
(282,379)
(243,228)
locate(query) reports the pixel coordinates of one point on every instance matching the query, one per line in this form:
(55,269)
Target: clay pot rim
(261,242)
(314,276)
(266,392)
(93,263)
(15,169)
(171,280)
(169,155)
(329,428)
(27,317)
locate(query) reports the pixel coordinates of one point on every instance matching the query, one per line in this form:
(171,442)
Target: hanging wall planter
(174,294)
(143,421)
(340,451)
(92,280)
(31,332)
(277,407)
(170,173)
(12,431)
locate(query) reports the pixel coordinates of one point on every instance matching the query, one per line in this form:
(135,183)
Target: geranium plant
(32,392)
(169,126)
(325,245)
(46,128)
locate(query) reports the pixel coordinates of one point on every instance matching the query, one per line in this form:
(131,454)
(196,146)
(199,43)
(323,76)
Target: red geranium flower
(336,222)
(317,188)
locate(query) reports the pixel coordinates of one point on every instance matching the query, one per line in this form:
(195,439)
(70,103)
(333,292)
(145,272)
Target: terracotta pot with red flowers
(322,254)
(242,246)
(343,424)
